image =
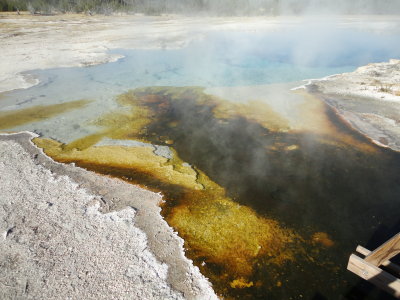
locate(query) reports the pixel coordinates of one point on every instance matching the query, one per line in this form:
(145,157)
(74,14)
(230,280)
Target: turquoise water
(220,59)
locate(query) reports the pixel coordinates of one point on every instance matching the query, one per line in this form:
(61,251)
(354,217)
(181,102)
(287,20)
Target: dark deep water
(351,194)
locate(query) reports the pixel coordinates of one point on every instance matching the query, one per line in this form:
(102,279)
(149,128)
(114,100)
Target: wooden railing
(368,265)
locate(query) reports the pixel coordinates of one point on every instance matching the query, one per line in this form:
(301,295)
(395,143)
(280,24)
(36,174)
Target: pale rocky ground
(368,98)
(67,234)
(377,80)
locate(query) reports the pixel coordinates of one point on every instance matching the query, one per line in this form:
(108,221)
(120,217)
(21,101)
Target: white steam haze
(267,7)
(209,7)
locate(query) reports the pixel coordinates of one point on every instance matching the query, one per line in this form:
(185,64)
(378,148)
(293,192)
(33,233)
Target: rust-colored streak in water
(318,117)
(274,208)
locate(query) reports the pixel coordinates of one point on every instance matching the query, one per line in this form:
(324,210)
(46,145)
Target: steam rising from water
(275,52)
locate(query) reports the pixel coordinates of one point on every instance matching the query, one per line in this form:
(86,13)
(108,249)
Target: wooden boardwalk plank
(391,266)
(385,252)
(375,275)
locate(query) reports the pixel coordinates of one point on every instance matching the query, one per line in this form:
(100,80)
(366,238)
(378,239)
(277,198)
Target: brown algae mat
(13,118)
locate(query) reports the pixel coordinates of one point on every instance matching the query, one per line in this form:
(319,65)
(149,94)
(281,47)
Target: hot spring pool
(269,188)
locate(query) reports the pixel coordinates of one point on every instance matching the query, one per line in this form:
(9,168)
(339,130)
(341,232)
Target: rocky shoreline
(67,233)
(368,99)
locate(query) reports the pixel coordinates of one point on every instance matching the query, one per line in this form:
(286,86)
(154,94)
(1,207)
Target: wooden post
(385,252)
